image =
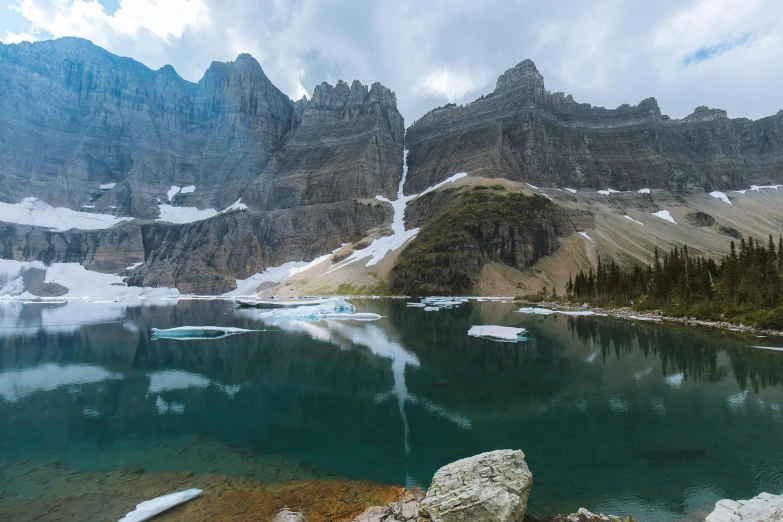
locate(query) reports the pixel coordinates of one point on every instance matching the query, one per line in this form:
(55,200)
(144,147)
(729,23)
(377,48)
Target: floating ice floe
(336,308)
(632,219)
(675,381)
(547,311)
(183,333)
(188,190)
(433,304)
(608,191)
(721,196)
(643,191)
(107,186)
(505,334)
(150,508)
(775,348)
(34,212)
(182,215)
(664,214)
(584,235)
(537,311)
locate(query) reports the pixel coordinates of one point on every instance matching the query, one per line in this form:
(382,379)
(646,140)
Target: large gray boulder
(406,510)
(491,487)
(761,508)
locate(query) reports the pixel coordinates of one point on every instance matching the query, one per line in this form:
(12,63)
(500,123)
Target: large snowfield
(34,212)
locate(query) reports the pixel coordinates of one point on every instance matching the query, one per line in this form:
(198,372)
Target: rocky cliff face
(523,132)
(74,117)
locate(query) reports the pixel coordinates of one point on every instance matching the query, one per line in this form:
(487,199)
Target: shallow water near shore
(622,417)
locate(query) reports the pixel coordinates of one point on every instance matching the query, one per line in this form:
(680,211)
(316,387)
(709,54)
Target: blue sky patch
(705,53)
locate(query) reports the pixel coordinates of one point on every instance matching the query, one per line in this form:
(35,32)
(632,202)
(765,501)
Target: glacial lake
(621,417)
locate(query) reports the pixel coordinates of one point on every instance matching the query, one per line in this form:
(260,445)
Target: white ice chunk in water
(187,190)
(675,381)
(721,196)
(107,186)
(537,311)
(584,235)
(498,333)
(632,219)
(182,333)
(149,508)
(608,191)
(664,214)
(336,308)
(643,191)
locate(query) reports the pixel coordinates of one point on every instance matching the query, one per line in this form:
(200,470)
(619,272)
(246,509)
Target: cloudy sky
(720,53)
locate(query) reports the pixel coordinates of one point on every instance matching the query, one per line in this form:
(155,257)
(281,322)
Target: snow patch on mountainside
(721,196)
(79,281)
(664,214)
(34,212)
(182,215)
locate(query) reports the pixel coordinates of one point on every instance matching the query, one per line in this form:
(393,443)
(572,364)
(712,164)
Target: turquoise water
(617,416)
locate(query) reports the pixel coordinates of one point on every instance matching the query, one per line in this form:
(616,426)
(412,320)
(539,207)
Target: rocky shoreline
(625,312)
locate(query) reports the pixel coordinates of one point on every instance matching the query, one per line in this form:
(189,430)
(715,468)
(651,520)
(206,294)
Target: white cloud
(88,18)
(449,84)
(15,38)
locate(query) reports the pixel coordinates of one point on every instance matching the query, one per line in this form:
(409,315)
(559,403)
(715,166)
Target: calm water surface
(616,416)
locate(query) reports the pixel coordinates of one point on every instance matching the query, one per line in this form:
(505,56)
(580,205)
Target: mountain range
(201,186)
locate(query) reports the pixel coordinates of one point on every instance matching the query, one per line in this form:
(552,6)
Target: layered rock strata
(523,132)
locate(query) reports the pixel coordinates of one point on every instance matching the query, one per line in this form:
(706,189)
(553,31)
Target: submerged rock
(289,516)
(761,508)
(490,487)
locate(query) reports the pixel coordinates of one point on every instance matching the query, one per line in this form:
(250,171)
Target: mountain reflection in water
(617,416)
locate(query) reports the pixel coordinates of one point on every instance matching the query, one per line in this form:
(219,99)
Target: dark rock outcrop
(465,228)
(522,132)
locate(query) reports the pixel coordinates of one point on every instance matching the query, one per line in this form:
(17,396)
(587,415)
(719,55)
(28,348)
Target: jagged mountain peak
(343,95)
(524,73)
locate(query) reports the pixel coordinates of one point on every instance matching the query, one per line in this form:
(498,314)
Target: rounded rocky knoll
(490,487)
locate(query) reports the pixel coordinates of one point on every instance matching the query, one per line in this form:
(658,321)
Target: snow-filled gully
(383,245)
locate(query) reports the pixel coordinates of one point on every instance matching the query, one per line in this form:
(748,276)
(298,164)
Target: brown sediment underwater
(45,491)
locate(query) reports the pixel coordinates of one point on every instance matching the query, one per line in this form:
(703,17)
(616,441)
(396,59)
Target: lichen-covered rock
(761,508)
(490,487)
